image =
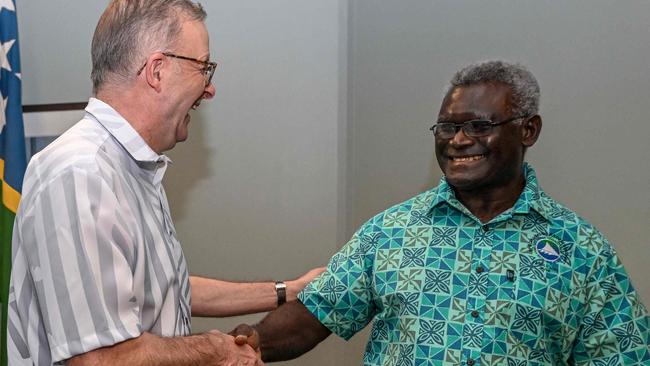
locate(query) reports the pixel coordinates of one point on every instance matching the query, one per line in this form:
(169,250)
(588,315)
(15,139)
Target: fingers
(242,329)
(236,349)
(253,340)
(313,273)
(241,340)
(245,334)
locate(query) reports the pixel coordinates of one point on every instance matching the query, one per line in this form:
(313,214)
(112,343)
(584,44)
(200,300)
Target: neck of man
(136,110)
(487,203)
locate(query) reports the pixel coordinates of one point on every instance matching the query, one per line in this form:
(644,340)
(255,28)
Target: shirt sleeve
(342,298)
(615,329)
(77,241)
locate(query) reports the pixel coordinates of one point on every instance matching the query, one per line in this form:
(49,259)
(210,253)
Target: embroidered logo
(548,248)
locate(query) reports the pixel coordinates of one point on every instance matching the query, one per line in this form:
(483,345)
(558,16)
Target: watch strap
(281,291)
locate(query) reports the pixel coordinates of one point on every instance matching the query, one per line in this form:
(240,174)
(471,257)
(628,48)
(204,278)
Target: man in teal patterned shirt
(484,269)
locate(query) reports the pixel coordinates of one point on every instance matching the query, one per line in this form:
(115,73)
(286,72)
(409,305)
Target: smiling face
(186,88)
(481,163)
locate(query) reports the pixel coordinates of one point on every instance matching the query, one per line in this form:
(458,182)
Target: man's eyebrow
(453,119)
(205,57)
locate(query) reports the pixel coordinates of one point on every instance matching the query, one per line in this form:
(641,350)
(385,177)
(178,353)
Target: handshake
(243,345)
(240,347)
(246,336)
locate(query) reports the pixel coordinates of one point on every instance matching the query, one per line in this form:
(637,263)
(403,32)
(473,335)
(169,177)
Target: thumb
(241,340)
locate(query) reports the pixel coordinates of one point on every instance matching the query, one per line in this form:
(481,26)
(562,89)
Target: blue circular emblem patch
(548,248)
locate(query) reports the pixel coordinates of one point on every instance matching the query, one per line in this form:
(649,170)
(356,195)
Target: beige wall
(322,110)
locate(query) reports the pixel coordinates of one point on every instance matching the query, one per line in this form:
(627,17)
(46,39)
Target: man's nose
(209,91)
(461,139)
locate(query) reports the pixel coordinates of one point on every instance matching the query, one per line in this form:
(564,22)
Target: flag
(13,158)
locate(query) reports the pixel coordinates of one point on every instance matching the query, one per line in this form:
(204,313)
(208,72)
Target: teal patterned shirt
(537,285)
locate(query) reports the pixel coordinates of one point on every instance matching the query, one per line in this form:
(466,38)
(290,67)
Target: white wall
(54,41)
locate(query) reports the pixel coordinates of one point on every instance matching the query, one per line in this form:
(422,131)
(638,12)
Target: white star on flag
(8,4)
(5,48)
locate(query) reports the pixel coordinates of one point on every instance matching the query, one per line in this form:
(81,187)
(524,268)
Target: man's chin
(180,137)
(463,181)
(461,184)
(182,129)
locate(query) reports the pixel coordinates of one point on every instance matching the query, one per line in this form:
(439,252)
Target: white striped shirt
(96,260)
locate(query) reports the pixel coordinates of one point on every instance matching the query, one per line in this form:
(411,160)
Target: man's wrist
(281,292)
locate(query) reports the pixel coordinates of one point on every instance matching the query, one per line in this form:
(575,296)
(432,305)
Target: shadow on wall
(191,164)
(433,177)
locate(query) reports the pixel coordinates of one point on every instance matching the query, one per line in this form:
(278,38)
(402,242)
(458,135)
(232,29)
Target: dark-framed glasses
(472,128)
(207,68)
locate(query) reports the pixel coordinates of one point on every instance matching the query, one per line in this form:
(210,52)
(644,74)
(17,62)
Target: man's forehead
(194,38)
(482,100)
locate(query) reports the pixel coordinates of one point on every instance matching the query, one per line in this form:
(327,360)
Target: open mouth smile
(462,159)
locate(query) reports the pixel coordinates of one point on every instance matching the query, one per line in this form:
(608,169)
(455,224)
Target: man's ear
(530,130)
(154,69)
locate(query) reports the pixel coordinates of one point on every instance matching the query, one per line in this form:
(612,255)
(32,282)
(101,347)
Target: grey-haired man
(98,275)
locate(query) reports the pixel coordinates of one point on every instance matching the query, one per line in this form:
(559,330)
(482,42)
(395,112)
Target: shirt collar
(532,197)
(123,132)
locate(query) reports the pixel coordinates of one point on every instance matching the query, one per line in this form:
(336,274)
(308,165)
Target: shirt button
(480,269)
(475,313)
(471,362)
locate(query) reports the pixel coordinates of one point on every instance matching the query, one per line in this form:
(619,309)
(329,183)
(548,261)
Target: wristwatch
(281,291)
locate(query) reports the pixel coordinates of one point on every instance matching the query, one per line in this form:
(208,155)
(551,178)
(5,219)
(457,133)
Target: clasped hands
(244,335)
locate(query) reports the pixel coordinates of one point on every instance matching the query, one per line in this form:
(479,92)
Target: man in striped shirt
(99,276)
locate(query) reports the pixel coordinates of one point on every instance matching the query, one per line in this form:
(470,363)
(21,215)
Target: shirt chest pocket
(538,306)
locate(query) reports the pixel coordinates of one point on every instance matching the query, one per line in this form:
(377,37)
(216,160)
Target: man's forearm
(215,298)
(149,350)
(289,332)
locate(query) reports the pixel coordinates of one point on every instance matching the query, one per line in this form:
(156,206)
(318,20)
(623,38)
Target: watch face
(280,285)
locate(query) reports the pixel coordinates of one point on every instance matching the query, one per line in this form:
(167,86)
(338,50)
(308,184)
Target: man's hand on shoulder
(295,286)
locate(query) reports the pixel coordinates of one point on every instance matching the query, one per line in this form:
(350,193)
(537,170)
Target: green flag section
(12,151)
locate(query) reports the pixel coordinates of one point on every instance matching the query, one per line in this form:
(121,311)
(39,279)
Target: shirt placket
(473,329)
(183,319)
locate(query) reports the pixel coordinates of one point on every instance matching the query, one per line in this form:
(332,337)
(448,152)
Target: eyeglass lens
(476,128)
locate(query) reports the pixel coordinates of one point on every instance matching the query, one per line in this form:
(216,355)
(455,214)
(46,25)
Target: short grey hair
(525,89)
(129,30)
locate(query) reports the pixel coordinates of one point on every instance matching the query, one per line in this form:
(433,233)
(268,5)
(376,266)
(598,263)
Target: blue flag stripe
(12,152)
(12,136)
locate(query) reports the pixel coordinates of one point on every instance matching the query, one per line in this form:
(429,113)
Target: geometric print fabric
(441,288)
